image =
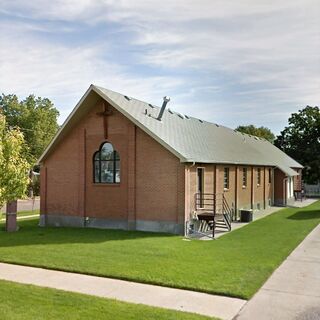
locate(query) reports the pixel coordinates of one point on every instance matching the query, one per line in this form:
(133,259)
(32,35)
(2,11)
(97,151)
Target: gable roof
(190,139)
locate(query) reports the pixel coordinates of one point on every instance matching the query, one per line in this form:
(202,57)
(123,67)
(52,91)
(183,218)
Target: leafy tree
(261,132)
(13,166)
(301,141)
(36,118)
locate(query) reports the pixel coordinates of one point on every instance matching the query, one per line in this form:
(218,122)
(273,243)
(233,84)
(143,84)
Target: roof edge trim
(117,107)
(75,109)
(139,124)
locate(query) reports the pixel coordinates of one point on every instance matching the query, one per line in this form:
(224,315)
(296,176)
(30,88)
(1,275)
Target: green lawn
(26,302)
(236,264)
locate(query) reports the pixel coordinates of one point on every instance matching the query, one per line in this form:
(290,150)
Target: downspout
(236,195)
(252,188)
(264,188)
(85,218)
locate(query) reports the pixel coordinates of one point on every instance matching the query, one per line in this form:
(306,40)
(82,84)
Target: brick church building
(118,162)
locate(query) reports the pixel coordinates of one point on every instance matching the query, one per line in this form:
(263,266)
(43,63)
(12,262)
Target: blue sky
(229,62)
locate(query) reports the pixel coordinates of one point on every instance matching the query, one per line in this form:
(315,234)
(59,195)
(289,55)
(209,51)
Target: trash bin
(245,215)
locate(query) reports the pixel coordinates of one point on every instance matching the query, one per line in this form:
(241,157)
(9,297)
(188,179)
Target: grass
(236,264)
(25,302)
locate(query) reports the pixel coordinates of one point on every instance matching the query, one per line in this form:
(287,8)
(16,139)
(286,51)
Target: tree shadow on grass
(305,215)
(30,233)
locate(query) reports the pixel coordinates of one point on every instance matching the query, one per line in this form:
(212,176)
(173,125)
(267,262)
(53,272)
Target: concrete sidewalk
(293,290)
(182,300)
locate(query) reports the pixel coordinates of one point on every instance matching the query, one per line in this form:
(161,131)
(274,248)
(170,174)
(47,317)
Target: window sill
(105,184)
(225,189)
(244,187)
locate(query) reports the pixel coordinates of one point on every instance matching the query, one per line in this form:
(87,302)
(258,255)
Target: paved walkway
(169,298)
(22,217)
(304,203)
(256,216)
(293,290)
(26,205)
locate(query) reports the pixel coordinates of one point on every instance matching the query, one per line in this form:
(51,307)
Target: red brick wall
(237,196)
(154,185)
(159,182)
(269,189)
(208,183)
(279,189)
(60,178)
(230,193)
(72,192)
(244,192)
(297,183)
(152,178)
(107,200)
(258,188)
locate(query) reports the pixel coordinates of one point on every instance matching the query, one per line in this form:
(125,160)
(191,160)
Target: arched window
(106,165)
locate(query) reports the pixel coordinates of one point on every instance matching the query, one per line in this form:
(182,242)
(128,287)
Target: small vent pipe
(166,99)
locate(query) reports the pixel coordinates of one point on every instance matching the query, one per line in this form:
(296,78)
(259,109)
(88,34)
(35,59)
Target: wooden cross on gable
(105,114)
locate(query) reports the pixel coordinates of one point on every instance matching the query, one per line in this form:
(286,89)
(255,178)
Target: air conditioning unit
(246,215)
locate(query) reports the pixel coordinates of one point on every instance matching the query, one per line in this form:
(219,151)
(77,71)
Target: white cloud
(232,57)
(63,72)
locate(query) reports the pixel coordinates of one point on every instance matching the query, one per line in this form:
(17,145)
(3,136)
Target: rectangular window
(244,177)
(226,179)
(258,176)
(270,175)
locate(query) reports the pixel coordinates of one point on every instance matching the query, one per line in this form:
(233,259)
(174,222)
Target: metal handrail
(211,202)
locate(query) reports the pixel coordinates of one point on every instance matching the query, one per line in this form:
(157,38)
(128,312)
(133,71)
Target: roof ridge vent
(166,99)
(180,115)
(128,98)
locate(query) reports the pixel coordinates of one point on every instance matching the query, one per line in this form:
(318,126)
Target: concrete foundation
(90,222)
(50,220)
(281,203)
(160,226)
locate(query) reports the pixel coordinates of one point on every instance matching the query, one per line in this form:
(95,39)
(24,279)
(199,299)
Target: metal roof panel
(192,140)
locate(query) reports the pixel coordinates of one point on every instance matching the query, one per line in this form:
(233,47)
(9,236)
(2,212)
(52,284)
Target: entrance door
(200,187)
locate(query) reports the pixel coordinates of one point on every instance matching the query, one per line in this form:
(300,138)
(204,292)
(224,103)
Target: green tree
(301,140)
(36,118)
(261,132)
(13,166)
